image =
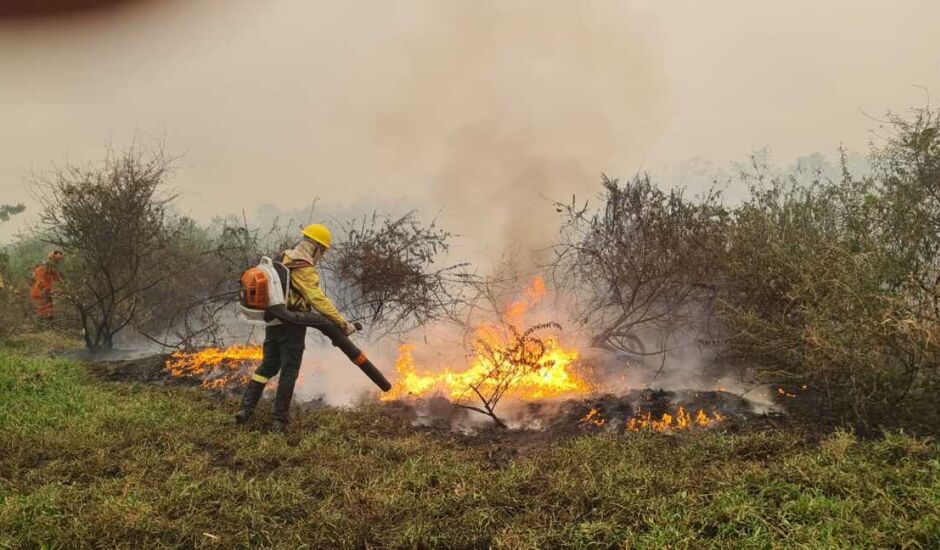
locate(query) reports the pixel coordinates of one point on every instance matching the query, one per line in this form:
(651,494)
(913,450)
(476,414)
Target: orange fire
(644,421)
(217,368)
(553,375)
(593,418)
(682,420)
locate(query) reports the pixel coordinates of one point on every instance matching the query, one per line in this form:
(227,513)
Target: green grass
(85,463)
(44,342)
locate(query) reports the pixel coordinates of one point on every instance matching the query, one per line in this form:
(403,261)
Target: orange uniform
(45,276)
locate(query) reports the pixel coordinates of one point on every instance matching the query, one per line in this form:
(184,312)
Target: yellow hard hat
(318,233)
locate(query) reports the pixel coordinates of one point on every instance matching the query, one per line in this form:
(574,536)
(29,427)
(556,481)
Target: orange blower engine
(263,301)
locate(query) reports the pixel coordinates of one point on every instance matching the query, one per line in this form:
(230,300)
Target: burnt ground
(533,425)
(148,370)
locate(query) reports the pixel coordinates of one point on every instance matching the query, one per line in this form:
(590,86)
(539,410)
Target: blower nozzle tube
(337,337)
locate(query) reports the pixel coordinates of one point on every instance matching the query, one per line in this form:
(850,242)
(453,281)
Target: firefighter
(284,343)
(45,277)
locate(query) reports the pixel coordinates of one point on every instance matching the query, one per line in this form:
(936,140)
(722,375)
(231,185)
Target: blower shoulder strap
(293,264)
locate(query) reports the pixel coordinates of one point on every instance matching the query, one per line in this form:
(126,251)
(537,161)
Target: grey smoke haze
(479,110)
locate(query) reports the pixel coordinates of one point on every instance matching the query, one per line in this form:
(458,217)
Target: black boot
(282,399)
(252,394)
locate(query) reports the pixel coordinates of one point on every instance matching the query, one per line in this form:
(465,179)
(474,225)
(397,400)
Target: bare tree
(382,271)
(504,350)
(506,361)
(187,307)
(639,264)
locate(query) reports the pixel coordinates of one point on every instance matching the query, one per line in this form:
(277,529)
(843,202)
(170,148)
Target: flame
(593,418)
(552,376)
(682,420)
(217,368)
(533,294)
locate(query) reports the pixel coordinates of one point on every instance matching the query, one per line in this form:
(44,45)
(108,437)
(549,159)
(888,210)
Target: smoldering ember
(469,275)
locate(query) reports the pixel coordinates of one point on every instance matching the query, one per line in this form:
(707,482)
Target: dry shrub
(16,312)
(16,260)
(507,358)
(384,272)
(833,284)
(641,264)
(130,261)
(829,283)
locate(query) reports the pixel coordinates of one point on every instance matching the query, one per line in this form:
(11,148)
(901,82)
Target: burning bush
(215,368)
(505,361)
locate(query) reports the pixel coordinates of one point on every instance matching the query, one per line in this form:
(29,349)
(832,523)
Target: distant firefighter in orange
(45,277)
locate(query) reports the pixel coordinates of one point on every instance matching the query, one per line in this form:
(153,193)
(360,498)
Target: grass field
(87,463)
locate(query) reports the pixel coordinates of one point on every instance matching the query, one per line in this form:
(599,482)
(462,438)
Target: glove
(352,328)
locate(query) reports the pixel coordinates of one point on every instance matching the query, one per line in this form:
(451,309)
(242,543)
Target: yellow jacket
(306,293)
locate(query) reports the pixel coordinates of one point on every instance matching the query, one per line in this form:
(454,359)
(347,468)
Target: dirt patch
(149,370)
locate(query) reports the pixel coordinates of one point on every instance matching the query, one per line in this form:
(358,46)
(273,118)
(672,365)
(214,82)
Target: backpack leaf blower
(263,301)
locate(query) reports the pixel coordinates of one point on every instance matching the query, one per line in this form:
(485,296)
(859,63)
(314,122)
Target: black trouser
(283,353)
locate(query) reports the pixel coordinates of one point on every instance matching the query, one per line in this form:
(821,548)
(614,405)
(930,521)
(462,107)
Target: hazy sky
(480,110)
